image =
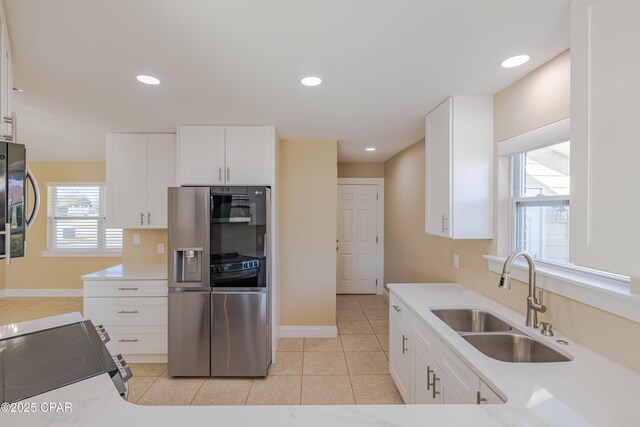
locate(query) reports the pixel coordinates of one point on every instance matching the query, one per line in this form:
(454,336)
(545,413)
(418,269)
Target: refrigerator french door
(219,266)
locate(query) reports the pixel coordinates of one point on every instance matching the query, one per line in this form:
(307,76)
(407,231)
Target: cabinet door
(161,174)
(438,145)
(248,154)
(424,369)
(487,395)
(399,356)
(6,80)
(450,393)
(604,155)
(200,155)
(126,180)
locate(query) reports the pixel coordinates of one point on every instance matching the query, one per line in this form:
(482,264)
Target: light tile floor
(352,368)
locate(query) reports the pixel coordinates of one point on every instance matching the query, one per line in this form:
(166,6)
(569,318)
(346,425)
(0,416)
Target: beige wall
(360,170)
(146,251)
(308,222)
(35,271)
(413,256)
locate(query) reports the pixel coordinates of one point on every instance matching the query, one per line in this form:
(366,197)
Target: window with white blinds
(76,219)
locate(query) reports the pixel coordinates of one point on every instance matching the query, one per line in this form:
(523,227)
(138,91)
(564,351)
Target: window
(540,202)
(76,219)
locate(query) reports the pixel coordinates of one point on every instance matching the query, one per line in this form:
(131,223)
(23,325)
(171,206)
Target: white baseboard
(41,293)
(385,294)
(308,331)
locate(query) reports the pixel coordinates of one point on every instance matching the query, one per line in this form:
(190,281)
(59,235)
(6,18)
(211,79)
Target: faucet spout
(534,305)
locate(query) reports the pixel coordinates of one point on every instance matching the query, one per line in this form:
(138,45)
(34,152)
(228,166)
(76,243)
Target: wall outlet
(456,261)
(136,239)
(160,248)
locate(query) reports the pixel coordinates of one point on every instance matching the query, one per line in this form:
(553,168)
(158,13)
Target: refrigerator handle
(36,199)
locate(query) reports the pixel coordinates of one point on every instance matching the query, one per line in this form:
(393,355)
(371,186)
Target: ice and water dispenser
(188,268)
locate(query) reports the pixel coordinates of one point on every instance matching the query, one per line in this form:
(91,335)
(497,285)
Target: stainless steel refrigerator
(219,281)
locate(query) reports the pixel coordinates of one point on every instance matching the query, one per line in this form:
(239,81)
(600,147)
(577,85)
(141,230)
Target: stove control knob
(123,367)
(102,332)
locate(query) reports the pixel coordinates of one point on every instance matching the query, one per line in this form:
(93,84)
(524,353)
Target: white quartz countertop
(130,272)
(588,391)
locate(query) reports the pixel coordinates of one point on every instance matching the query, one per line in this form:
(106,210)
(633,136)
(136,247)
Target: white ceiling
(385,64)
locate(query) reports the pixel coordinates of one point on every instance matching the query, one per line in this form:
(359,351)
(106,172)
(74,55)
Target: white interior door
(357,230)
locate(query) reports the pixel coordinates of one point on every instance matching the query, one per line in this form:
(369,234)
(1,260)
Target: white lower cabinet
(424,369)
(399,356)
(134,314)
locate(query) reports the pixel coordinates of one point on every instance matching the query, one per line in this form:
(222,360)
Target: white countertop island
(588,391)
(130,272)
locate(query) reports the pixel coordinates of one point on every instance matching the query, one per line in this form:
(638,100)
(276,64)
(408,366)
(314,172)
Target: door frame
(379,182)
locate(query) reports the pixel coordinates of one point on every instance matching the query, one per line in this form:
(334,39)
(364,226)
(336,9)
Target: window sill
(87,254)
(606,294)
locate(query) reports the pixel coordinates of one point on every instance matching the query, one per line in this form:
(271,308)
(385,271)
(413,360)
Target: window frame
(101,250)
(516,184)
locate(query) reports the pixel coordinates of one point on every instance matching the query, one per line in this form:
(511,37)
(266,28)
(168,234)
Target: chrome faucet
(533,305)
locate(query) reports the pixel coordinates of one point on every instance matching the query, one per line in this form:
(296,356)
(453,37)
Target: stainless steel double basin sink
(496,338)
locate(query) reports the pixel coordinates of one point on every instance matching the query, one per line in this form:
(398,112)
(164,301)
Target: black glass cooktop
(35,363)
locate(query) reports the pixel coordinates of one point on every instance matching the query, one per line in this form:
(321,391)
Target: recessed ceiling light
(149,80)
(370,149)
(514,61)
(311,81)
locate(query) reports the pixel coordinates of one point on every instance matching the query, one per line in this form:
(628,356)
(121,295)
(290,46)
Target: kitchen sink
(471,320)
(514,347)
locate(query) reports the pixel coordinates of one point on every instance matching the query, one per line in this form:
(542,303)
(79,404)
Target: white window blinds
(76,219)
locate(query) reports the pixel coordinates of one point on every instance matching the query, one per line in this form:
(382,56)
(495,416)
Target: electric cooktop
(38,362)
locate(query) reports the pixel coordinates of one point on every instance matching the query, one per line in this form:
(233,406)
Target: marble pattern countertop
(588,391)
(130,272)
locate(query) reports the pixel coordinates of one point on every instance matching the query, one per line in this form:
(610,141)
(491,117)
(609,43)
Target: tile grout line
(145,392)
(198,391)
(249,392)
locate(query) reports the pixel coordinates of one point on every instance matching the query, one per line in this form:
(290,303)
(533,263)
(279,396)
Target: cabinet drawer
(126,288)
(137,339)
(399,310)
(126,311)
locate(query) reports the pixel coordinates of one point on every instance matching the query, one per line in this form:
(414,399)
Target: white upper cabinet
(459,168)
(161,174)
(201,155)
(225,155)
(140,168)
(248,154)
(6,80)
(605,91)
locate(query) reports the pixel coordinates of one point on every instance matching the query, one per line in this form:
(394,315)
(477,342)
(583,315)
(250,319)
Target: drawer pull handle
(404,340)
(429,372)
(127,289)
(125,340)
(128,312)
(479,398)
(433,384)
(397,308)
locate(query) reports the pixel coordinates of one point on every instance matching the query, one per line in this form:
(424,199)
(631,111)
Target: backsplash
(146,251)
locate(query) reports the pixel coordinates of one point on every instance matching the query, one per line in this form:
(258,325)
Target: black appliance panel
(238,230)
